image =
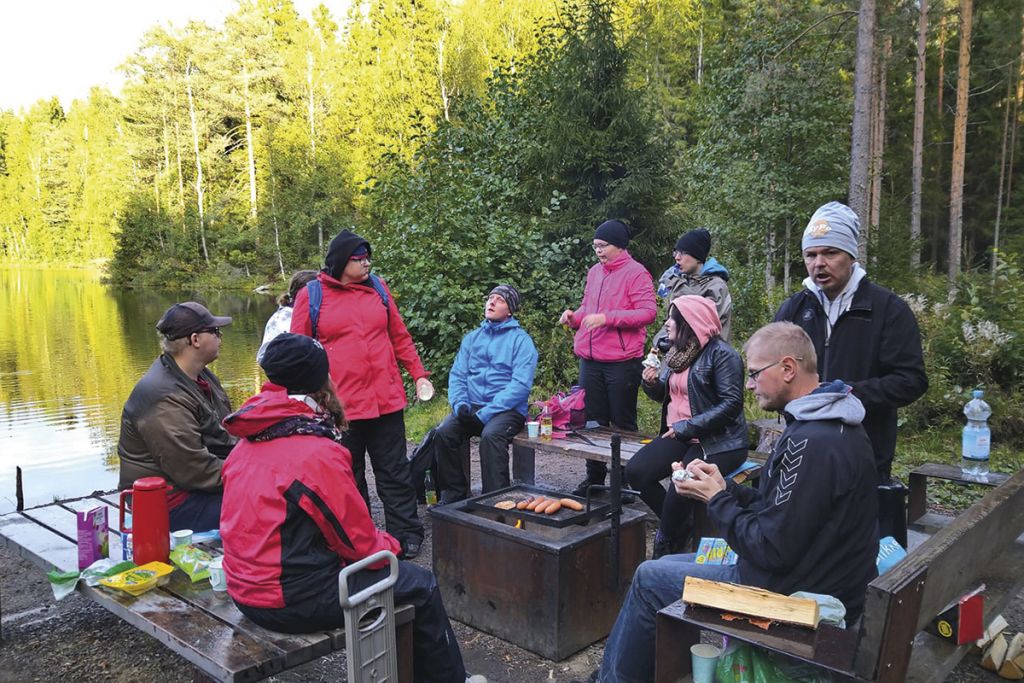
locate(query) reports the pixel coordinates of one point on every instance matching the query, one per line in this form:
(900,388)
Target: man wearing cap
(864,334)
(488,389)
(611,328)
(695,273)
(171,422)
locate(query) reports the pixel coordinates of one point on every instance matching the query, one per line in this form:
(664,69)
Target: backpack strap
(316,299)
(378,286)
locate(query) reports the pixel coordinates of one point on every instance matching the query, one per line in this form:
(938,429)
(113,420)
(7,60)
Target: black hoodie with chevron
(811,525)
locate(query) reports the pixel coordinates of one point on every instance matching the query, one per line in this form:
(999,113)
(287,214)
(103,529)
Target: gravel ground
(76,640)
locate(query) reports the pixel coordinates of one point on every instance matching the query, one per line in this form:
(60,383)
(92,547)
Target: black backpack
(423,459)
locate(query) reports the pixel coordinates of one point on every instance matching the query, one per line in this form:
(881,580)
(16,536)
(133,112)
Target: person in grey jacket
(695,272)
(171,422)
(700,387)
(809,526)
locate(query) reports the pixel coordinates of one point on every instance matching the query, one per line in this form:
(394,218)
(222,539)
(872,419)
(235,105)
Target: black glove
(467,416)
(464,411)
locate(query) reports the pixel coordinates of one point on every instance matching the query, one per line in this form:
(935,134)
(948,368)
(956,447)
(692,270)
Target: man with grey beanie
(864,334)
(488,389)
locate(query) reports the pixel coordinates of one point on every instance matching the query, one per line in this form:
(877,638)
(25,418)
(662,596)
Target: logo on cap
(819,228)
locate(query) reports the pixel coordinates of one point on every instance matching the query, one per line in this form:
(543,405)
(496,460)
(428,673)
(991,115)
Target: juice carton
(93,536)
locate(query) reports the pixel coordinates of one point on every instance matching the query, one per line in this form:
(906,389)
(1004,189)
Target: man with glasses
(171,422)
(810,524)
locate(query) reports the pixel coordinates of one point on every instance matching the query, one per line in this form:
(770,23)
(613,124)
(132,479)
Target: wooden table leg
(917,501)
(672,648)
(523,464)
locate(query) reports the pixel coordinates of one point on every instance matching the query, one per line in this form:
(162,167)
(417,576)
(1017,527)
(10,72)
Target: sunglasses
(210,330)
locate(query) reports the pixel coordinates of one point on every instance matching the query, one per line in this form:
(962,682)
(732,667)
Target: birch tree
(956,183)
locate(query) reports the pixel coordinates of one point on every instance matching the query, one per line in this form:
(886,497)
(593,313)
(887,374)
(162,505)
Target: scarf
(680,359)
(321,425)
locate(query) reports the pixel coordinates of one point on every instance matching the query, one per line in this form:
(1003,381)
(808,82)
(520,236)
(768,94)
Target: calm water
(71,349)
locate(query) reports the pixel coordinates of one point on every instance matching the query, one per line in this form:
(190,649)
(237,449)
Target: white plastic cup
(533,429)
(218,580)
(704,659)
(182,537)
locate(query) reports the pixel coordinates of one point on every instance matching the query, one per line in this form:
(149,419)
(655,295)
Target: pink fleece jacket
(624,291)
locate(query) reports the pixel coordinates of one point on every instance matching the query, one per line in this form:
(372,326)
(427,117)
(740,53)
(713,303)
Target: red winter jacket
(292,516)
(624,291)
(364,345)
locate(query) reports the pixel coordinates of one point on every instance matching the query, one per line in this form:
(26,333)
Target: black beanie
(296,362)
(342,247)
(511,296)
(696,243)
(613,232)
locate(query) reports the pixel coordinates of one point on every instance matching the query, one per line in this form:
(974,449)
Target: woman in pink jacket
(611,327)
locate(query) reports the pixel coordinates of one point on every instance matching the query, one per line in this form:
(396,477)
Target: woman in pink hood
(611,327)
(700,386)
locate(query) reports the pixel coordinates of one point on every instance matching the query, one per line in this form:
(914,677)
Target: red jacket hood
(701,315)
(265,409)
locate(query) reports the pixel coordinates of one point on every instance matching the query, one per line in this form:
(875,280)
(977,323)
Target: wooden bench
(200,625)
(979,546)
(917,500)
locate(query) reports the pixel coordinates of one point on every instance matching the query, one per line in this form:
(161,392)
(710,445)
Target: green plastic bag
(743,663)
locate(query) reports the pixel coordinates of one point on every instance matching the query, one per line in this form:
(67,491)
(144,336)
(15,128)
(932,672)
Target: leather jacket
(715,387)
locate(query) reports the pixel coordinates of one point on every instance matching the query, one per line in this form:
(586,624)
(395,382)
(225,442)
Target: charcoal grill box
(549,590)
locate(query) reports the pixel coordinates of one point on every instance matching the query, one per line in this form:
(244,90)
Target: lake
(71,349)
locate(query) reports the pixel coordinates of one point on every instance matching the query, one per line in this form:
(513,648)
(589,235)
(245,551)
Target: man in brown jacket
(171,423)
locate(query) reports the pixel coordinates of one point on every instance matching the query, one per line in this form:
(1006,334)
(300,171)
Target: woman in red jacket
(365,338)
(292,517)
(611,326)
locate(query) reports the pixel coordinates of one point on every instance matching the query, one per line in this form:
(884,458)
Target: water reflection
(71,349)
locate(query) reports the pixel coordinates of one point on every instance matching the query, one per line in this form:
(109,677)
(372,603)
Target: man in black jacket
(809,526)
(864,334)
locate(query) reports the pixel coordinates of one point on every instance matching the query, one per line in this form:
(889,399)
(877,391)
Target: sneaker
(476,678)
(628,499)
(410,550)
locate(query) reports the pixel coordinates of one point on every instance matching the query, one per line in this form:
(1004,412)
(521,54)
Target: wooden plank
(44,548)
(900,629)
(672,642)
(957,556)
(829,647)
(917,503)
(750,601)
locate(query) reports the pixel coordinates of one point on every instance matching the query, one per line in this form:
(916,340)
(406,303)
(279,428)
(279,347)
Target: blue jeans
(629,652)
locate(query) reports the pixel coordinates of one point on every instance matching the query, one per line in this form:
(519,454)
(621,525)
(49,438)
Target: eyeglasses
(753,374)
(598,246)
(211,330)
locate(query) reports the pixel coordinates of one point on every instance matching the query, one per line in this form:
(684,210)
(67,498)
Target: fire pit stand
(549,589)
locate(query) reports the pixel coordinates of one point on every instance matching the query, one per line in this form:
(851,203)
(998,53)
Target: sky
(64,47)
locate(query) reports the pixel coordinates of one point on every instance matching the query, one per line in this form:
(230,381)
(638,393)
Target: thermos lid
(149,484)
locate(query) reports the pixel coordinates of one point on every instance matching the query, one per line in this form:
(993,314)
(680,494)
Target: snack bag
(192,561)
(140,579)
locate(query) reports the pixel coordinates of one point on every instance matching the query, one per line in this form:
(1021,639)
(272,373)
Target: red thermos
(151,526)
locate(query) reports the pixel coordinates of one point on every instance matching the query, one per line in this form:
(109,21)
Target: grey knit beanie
(833,225)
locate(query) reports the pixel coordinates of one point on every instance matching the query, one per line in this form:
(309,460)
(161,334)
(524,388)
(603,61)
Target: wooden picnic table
(191,619)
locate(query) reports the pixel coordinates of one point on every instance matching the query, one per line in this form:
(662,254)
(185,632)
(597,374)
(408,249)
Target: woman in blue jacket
(488,389)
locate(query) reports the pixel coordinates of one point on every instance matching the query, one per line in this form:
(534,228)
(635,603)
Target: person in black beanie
(611,327)
(695,273)
(362,331)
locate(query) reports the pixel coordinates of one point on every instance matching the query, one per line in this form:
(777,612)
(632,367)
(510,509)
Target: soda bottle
(977,437)
(430,489)
(545,425)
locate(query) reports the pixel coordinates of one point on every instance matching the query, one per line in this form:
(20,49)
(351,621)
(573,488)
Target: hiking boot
(410,550)
(581,488)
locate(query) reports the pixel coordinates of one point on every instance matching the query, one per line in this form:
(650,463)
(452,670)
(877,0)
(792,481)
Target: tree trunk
(877,146)
(860,136)
(1015,117)
(312,148)
(940,89)
(786,265)
(700,55)
(956,183)
(1007,105)
(181,178)
(249,143)
(199,162)
(769,276)
(918,154)
(440,75)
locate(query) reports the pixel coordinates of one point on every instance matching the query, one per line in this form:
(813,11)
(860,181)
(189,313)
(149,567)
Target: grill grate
(561,519)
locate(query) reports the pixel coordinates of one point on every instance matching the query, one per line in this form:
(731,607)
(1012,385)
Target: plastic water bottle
(429,488)
(977,437)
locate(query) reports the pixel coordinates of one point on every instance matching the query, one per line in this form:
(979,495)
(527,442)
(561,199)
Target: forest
(480,141)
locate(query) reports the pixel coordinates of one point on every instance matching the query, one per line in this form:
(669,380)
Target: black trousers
(452,451)
(436,655)
(384,439)
(653,463)
(610,399)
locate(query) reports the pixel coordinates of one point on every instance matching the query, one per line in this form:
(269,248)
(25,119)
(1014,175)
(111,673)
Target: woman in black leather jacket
(700,386)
